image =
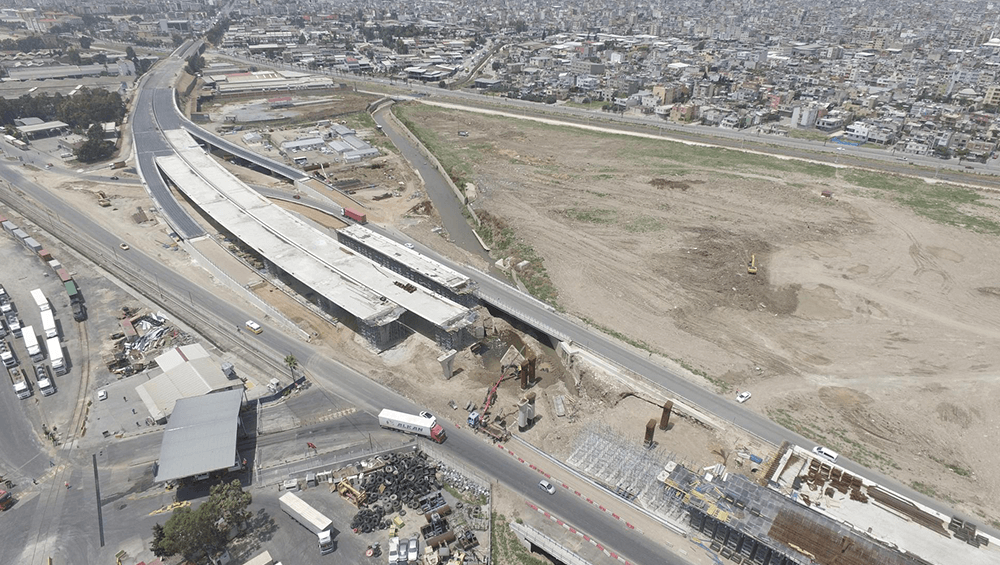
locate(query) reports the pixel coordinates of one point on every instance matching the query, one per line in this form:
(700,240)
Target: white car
(546,486)
(393,550)
(408,245)
(102,395)
(743,396)
(826,452)
(426,414)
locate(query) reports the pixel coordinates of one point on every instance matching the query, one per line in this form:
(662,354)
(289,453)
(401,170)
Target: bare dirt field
(870,326)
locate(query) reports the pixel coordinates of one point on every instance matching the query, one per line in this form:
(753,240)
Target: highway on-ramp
(149,143)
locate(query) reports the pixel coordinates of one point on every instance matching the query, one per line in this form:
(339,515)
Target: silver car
(411,552)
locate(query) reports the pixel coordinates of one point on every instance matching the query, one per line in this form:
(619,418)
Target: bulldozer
(752,265)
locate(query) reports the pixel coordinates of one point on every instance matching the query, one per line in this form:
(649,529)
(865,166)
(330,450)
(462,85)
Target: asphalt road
(149,144)
(445,201)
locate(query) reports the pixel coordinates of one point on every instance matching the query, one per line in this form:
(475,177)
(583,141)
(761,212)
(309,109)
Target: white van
(826,452)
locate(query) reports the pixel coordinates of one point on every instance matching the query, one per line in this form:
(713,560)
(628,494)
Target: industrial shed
(201,436)
(188,371)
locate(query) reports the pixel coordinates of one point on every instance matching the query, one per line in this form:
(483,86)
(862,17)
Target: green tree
(74,56)
(85,42)
(177,39)
(292,364)
(130,53)
(189,533)
(229,502)
(95,148)
(195,63)
(158,541)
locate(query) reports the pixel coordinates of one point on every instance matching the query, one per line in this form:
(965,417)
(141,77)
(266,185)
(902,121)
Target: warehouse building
(187,371)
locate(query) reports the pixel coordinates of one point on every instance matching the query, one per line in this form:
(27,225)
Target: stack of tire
(401,483)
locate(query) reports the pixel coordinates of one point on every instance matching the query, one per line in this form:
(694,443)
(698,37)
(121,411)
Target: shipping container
(356,216)
(71,291)
(63,275)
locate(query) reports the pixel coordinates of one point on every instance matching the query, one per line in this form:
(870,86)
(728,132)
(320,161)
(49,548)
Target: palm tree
(292,363)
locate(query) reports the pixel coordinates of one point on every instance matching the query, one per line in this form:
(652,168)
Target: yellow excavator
(752,265)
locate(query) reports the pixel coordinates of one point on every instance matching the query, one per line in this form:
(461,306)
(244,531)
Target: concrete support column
(447,361)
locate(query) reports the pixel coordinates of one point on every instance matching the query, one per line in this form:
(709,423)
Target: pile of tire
(367,520)
(400,484)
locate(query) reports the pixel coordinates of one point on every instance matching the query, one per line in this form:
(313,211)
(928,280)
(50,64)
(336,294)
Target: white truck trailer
(40,300)
(49,324)
(31,344)
(312,519)
(409,423)
(56,359)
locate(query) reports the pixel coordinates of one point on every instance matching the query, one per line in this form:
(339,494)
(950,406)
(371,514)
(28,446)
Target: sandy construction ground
(871,325)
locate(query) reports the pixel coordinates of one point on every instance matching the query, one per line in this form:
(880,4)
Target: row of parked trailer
(18,377)
(72,290)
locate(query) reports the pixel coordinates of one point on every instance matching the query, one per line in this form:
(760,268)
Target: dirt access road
(870,326)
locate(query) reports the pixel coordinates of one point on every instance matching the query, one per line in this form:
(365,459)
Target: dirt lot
(870,326)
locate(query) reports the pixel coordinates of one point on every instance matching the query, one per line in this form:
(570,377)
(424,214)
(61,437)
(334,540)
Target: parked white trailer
(49,324)
(40,300)
(56,355)
(312,519)
(31,344)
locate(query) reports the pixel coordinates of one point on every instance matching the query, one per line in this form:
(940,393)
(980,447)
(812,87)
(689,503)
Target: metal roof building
(201,436)
(46,128)
(187,371)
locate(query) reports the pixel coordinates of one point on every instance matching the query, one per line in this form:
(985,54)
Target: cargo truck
(410,423)
(312,519)
(45,385)
(356,216)
(21,388)
(40,300)
(13,324)
(31,344)
(7,356)
(49,324)
(54,348)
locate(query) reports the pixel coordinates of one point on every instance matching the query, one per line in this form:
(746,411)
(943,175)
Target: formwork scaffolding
(624,467)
